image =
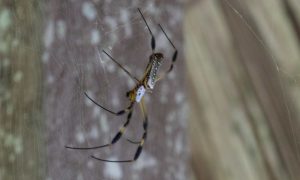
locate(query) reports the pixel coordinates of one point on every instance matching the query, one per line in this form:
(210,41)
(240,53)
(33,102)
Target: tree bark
(22,153)
(51,53)
(74,64)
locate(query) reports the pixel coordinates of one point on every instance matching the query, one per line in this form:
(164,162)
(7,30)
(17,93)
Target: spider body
(149,79)
(136,96)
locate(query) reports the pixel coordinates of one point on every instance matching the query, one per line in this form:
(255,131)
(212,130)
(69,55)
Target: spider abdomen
(153,68)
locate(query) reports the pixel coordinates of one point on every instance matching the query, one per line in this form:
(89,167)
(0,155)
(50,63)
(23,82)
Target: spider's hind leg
(122,129)
(140,143)
(114,140)
(174,57)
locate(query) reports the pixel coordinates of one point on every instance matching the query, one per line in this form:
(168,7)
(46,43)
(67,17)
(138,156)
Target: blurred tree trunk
(21,134)
(244,88)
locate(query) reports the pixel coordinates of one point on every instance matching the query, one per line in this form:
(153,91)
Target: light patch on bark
(49,34)
(96,111)
(111,68)
(179,144)
(15,142)
(163,93)
(88,10)
(79,176)
(5,19)
(115,100)
(126,21)
(18,76)
(95,37)
(91,164)
(112,23)
(103,123)
(179,97)
(50,79)
(61,29)
(79,137)
(5,23)
(113,170)
(45,57)
(94,133)
(145,161)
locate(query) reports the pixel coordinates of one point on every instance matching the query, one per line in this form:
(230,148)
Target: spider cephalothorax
(137,93)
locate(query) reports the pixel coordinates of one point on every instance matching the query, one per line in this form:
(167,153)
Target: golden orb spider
(146,83)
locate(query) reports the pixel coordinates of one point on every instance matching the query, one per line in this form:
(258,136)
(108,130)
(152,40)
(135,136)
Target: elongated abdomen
(153,68)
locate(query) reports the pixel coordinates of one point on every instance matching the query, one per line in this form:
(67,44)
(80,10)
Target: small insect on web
(136,95)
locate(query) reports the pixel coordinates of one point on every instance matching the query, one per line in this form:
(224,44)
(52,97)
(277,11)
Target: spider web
(120,31)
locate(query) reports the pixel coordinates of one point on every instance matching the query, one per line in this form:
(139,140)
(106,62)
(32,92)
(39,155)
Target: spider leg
(87,148)
(115,139)
(106,109)
(174,57)
(152,37)
(141,143)
(136,155)
(120,66)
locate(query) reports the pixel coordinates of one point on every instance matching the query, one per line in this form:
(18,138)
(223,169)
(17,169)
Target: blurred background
(228,111)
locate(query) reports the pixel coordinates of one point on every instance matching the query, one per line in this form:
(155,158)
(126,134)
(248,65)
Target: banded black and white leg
(174,56)
(114,140)
(153,43)
(140,143)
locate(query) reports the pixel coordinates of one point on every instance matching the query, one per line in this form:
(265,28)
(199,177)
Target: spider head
(156,57)
(131,95)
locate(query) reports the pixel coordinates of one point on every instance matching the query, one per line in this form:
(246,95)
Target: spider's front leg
(174,57)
